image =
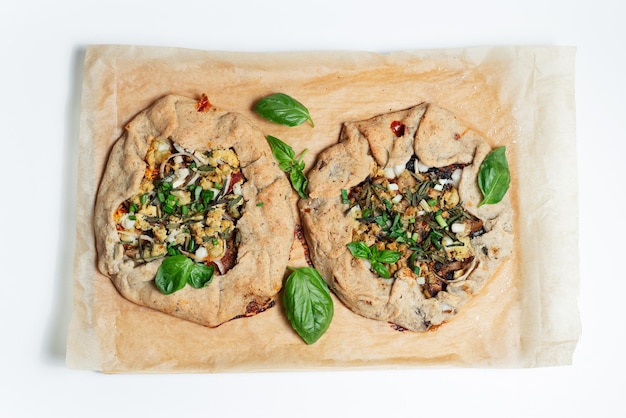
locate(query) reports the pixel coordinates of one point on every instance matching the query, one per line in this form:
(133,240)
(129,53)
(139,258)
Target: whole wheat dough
(437,138)
(266,226)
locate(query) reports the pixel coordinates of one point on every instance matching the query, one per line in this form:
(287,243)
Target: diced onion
(226,184)
(201,253)
(146,238)
(456,177)
(393,186)
(389,173)
(164,163)
(421,168)
(398,169)
(179,177)
(458,227)
(172,236)
(396,198)
(220,266)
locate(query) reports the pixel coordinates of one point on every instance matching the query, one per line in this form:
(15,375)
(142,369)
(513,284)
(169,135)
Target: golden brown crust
(266,229)
(438,139)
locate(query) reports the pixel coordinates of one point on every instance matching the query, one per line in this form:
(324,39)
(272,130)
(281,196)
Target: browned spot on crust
(397,327)
(305,246)
(254,307)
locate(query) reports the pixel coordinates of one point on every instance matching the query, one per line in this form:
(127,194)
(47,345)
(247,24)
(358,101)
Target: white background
(40,81)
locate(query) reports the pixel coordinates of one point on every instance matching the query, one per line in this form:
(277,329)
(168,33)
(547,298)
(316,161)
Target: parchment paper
(522,97)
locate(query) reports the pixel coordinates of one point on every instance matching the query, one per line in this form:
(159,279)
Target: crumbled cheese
(148,210)
(184,196)
(221,156)
(141,223)
(127,223)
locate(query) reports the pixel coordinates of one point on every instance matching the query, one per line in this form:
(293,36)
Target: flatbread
(266,226)
(424,135)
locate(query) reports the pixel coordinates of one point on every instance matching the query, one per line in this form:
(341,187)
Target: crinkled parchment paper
(522,97)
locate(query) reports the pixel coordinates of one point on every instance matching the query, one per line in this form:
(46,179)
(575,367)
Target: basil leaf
(387,256)
(359,250)
(494,176)
(283,109)
(376,257)
(299,182)
(172,274)
(200,275)
(380,269)
(285,156)
(308,303)
(282,152)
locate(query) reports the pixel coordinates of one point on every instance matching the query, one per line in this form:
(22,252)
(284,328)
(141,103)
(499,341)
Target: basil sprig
(287,161)
(494,176)
(377,258)
(308,304)
(178,270)
(283,109)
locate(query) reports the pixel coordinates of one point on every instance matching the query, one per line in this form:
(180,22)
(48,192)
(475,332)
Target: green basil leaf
(308,303)
(285,156)
(359,250)
(200,275)
(282,152)
(376,257)
(283,109)
(299,182)
(494,176)
(387,256)
(380,269)
(173,273)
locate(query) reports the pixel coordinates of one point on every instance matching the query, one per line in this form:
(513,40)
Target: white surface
(40,50)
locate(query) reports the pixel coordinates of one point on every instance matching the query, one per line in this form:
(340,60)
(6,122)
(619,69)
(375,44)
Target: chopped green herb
(344,197)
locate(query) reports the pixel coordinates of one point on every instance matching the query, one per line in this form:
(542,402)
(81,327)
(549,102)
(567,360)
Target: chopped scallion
(440,221)
(344,197)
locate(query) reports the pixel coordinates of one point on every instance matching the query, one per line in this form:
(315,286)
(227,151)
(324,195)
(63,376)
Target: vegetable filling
(188,204)
(411,221)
